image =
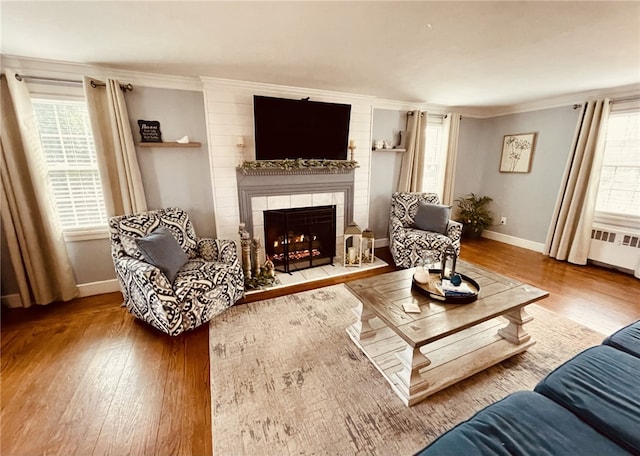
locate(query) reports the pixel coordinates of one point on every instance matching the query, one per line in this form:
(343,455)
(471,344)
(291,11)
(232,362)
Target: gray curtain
(569,235)
(452,128)
(35,239)
(412,168)
(117,159)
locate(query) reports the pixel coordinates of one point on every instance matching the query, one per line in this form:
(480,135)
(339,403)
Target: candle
(352,255)
(240,141)
(352,144)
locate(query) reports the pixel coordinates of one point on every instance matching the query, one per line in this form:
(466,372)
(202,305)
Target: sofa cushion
(433,217)
(524,423)
(600,385)
(162,250)
(627,339)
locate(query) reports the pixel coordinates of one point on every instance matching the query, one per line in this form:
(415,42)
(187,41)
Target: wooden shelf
(389,150)
(169,144)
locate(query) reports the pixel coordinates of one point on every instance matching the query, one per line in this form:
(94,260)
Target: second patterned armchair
(416,230)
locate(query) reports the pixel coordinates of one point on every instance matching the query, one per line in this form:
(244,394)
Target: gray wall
(385,168)
(178,177)
(526,199)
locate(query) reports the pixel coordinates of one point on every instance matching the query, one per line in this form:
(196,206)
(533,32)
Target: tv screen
(305,129)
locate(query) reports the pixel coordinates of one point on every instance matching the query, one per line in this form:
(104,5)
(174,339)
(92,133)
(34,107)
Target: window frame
(621,220)
(65,92)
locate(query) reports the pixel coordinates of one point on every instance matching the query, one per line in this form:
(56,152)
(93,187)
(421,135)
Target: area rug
(287,380)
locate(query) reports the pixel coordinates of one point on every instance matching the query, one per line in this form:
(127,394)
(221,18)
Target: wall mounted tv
(286,128)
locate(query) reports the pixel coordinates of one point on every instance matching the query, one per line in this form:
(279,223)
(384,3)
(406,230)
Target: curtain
(117,160)
(35,239)
(569,235)
(412,167)
(452,127)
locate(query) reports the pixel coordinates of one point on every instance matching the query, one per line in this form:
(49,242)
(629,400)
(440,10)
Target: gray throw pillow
(433,217)
(162,250)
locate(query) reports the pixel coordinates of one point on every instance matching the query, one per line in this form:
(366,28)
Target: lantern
(449,258)
(352,253)
(368,246)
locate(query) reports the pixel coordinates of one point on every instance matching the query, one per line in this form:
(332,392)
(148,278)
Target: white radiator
(615,247)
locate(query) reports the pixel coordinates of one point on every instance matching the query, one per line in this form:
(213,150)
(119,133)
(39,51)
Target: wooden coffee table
(420,354)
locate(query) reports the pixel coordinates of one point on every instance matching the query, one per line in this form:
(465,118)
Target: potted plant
(474,215)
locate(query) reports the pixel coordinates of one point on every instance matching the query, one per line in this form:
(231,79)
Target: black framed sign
(150,130)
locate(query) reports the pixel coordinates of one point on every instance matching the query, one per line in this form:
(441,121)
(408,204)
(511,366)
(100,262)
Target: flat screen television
(286,128)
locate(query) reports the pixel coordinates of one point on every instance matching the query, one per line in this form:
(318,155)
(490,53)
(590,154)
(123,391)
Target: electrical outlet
(503,220)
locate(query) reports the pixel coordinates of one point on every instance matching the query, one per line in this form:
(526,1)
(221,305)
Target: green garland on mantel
(299,163)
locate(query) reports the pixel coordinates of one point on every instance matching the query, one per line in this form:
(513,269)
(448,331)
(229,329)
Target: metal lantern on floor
(352,252)
(368,246)
(449,258)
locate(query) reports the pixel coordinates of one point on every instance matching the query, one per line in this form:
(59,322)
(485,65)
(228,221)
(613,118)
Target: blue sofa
(590,405)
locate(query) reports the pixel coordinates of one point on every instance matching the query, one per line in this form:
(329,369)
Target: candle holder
(352,250)
(352,148)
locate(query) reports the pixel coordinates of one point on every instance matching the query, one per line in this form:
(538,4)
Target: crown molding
(57,69)
(275,89)
(631,90)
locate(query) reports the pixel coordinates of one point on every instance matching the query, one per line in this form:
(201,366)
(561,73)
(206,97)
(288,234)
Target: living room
(213,106)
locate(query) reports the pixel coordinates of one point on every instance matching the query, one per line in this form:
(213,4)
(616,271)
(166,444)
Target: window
(433,177)
(72,165)
(619,191)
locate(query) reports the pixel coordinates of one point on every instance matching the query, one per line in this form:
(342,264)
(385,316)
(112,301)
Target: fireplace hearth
(300,238)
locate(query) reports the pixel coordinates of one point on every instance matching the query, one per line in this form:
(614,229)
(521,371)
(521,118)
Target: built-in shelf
(390,150)
(169,144)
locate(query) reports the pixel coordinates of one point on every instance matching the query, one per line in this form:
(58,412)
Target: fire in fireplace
(300,238)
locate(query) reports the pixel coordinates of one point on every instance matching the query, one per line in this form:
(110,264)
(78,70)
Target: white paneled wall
(229,112)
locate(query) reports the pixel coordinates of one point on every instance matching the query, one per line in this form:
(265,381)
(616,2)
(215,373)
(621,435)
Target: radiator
(612,246)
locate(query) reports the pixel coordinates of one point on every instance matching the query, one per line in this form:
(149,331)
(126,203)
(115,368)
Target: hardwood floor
(84,377)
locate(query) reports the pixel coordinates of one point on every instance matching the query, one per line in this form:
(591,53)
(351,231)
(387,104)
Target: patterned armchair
(408,244)
(209,282)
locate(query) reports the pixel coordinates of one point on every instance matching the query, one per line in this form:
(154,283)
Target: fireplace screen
(300,238)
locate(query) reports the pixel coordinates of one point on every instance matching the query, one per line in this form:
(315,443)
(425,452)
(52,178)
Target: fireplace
(300,238)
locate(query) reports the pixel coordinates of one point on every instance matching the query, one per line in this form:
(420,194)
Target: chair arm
(144,285)
(454,230)
(396,228)
(219,250)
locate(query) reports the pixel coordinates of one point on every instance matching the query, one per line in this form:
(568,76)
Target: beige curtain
(412,168)
(117,159)
(452,127)
(35,240)
(569,235)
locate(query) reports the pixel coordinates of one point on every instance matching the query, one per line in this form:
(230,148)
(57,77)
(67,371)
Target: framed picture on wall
(517,151)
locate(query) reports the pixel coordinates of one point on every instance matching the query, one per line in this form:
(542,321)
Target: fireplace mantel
(297,166)
(293,183)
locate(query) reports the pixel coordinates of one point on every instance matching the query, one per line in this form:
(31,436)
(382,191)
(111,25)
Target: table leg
(514,331)
(362,327)
(411,381)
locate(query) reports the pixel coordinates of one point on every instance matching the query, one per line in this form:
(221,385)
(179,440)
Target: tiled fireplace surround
(259,192)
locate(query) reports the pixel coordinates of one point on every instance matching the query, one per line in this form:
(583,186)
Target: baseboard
(512,240)
(96,288)
(12,300)
(382,242)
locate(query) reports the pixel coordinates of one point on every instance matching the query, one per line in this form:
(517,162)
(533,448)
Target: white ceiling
(472,54)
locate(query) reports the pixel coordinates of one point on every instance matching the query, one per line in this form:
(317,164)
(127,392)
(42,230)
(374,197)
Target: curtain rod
(94,84)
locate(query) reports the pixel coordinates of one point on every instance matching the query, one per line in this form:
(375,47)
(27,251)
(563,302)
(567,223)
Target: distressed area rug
(286,379)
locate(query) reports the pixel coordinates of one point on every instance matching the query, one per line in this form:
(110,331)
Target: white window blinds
(619,190)
(72,165)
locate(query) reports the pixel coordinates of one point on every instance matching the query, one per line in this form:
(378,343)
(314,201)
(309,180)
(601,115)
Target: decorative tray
(433,293)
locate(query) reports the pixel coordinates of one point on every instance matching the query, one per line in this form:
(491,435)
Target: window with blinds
(619,190)
(72,165)
(433,174)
